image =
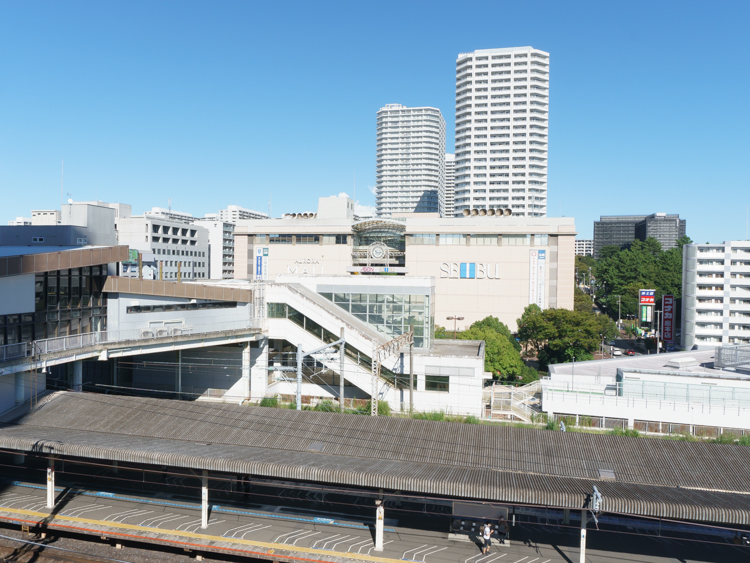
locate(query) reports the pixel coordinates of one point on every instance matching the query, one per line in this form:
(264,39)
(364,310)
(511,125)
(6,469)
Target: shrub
(471,419)
(269,402)
(438,416)
(626,432)
(552,425)
(326,406)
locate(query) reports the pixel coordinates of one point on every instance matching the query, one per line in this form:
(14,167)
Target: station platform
(265,533)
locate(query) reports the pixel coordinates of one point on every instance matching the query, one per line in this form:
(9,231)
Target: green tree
(582,302)
(493,323)
(530,329)
(500,357)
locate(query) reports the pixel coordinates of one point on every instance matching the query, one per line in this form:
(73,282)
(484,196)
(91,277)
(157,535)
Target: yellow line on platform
(192,535)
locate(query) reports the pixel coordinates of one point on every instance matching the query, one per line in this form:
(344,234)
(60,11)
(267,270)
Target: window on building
(341,239)
(484,240)
(280,239)
(516,240)
(436,383)
(541,240)
(452,239)
(308,239)
(423,239)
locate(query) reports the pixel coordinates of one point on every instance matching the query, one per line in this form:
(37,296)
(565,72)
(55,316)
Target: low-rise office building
(220,248)
(716,294)
(482,265)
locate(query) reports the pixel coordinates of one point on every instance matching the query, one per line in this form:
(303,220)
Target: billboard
(667,318)
(537,270)
(261,263)
(646,296)
(646,313)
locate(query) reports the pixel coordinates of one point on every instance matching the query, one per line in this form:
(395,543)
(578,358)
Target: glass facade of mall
(67,302)
(390,313)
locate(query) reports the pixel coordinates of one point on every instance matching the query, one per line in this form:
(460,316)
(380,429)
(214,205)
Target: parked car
(630,352)
(617,352)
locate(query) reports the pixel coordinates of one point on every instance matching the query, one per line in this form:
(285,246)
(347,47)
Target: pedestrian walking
(502,530)
(486,536)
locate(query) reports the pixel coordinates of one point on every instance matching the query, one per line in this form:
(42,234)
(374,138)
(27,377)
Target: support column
(115,381)
(20,384)
(584,517)
(566,516)
(299,377)
(51,483)
(379,521)
(411,372)
(245,389)
(342,351)
(78,376)
(204,500)
(178,376)
(259,370)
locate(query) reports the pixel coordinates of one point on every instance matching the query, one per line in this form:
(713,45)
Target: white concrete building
(180,248)
(584,247)
(45,217)
(234,213)
(447,198)
(220,248)
(502,113)
(716,294)
(410,160)
(20,222)
(162,213)
(678,393)
(483,265)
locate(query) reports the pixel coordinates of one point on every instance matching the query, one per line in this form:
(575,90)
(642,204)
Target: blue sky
(217,103)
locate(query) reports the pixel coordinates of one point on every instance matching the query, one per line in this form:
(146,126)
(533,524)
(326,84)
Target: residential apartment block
(502,116)
(716,294)
(220,248)
(584,247)
(447,199)
(410,160)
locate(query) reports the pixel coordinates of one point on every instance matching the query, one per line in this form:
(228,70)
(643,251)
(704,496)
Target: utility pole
(454,318)
(341,370)
(658,318)
(299,377)
(411,372)
(380,353)
(619,312)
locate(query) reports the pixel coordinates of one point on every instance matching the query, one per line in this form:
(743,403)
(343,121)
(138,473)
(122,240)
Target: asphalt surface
(264,530)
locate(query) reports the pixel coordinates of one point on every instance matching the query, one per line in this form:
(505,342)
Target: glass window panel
(341,298)
(361,316)
(436,382)
(359,309)
(328,296)
(376,319)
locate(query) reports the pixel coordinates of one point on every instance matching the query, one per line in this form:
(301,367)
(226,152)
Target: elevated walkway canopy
(658,478)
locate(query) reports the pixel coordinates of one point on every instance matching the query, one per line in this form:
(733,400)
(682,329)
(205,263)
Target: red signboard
(667,318)
(646,296)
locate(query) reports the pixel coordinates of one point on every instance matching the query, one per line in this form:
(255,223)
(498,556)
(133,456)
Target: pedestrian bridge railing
(78,341)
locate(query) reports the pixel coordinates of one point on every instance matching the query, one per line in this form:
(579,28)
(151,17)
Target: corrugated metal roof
(661,478)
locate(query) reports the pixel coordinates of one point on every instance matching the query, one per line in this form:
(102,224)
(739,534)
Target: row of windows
(301,239)
(181,307)
(480,240)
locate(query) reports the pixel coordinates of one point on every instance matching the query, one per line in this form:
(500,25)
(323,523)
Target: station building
(483,264)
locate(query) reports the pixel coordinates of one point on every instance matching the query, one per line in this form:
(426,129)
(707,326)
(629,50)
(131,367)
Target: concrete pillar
(178,375)
(631,423)
(566,516)
(204,500)
(342,357)
(51,483)
(115,468)
(584,516)
(20,381)
(78,376)
(115,381)
(379,521)
(245,391)
(259,370)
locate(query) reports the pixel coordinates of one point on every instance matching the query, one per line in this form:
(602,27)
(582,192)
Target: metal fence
(732,356)
(13,351)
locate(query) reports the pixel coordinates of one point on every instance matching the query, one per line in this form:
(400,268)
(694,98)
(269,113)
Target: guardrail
(65,343)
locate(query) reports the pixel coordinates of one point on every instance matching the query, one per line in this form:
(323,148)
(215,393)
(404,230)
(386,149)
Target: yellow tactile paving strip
(110,529)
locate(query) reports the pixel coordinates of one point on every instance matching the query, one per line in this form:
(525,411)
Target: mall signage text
(470,270)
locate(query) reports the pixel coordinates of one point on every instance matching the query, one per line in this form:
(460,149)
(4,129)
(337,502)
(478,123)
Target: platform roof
(652,477)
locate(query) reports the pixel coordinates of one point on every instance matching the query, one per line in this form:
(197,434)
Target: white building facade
(716,294)
(234,213)
(584,247)
(220,248)
(502,117)
(180,249)
(410,160)
(447,198)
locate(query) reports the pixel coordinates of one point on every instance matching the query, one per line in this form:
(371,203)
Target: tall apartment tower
(447,206)
(502,116)
(410,160)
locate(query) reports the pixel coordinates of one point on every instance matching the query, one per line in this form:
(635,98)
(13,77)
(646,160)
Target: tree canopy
(500,356)
(644,265)
(559,335)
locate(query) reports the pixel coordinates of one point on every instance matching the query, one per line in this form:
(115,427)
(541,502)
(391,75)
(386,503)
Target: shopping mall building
(490,264)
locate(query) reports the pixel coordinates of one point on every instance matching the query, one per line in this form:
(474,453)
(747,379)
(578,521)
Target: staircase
(516,403)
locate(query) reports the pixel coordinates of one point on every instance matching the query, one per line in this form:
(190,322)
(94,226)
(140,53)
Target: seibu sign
(470,270)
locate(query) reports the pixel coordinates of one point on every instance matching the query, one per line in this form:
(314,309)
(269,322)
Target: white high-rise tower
(447,207)
(502,113)
(410,160)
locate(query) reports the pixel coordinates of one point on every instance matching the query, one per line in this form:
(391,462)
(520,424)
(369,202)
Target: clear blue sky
(217,103)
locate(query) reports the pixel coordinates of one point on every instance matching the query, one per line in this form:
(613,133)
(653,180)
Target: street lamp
(454,319)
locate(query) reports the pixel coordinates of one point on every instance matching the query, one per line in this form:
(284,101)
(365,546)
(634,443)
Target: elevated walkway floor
(265,532)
